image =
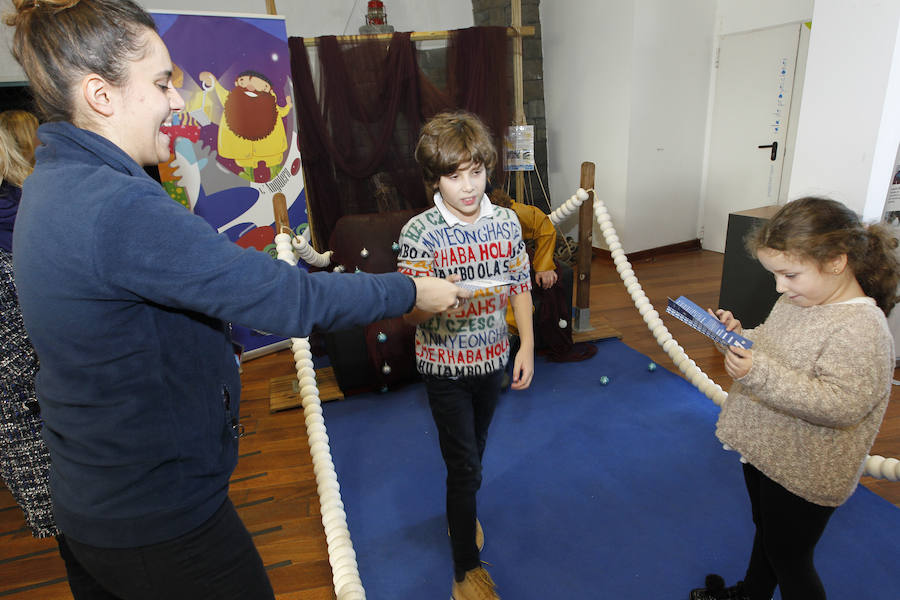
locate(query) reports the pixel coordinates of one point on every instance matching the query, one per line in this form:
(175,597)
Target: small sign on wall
(519,146)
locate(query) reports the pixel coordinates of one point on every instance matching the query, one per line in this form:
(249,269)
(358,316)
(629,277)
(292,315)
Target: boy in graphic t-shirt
(461,353)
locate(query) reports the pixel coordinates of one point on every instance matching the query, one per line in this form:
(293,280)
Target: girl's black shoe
(715,590)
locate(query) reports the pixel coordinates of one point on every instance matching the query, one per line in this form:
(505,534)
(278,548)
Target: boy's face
(462,191)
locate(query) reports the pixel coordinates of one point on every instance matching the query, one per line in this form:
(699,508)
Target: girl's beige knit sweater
(808,410)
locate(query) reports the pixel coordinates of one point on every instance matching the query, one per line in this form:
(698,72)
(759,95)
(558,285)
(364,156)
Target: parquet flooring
(274,486)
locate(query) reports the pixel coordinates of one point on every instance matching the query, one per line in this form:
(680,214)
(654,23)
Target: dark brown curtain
(358,133)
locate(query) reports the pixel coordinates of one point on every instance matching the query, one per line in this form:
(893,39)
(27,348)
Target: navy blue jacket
(9,204)
(126,297)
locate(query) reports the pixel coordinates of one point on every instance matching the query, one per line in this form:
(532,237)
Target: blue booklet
(686,311)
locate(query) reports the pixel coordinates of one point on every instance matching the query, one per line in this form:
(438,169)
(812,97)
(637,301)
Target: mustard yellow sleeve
(538,227)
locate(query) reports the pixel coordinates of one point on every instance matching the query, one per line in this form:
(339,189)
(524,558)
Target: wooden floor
(274,486)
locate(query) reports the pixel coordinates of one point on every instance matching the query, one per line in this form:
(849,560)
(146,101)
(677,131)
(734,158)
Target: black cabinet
(747,289)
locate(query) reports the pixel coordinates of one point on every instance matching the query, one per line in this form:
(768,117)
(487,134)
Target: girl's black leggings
(787,531)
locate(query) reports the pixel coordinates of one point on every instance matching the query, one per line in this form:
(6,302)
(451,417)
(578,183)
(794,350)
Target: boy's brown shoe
(477,585)
(479,535)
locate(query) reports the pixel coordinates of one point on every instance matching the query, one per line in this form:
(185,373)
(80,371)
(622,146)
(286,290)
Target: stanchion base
(581,319)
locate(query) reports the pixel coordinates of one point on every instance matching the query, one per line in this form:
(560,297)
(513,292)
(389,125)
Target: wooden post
(416,36)
(518,84)
(582,317)
(270,7)
(282,222)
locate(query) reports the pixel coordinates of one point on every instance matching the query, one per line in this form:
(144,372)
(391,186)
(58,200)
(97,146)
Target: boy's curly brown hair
(450,140)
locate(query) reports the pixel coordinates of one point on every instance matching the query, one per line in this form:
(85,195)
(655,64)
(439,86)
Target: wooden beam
(270,7)
(518,84)
(416,36)
(518,76)
(279,207)
(585,245)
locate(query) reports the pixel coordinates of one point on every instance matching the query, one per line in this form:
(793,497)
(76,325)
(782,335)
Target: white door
(751,109)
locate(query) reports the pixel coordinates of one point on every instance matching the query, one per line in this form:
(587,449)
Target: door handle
(774,147)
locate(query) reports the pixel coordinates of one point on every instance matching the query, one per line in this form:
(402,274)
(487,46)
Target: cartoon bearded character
(251,130)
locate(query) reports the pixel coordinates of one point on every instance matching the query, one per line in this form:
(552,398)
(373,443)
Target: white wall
(9,68)
(638,103)
(307,18)
(739,15)
(849,123)
(587,97)
(673,43)
(635,106)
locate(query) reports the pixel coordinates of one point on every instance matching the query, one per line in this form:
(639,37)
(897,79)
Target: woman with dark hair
(127,299)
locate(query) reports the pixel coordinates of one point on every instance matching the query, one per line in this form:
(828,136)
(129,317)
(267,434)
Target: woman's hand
(435,295)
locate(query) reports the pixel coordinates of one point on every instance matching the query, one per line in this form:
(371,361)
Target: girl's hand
(738,361)
(727,319)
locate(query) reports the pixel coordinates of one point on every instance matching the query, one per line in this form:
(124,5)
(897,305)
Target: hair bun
(29,5)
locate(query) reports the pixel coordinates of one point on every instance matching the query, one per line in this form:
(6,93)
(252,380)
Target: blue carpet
(590,492)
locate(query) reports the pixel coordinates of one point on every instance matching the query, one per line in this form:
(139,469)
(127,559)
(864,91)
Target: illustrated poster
(235,145)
